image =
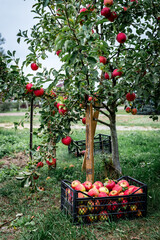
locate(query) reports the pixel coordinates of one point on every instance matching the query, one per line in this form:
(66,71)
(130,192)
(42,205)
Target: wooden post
(31,128)
(89,144)
(94,125)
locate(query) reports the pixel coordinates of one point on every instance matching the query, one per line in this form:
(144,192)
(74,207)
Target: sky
(15,15)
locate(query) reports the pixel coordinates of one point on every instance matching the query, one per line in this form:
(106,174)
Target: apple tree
(107,49)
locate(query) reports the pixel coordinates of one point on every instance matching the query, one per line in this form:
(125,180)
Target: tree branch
(107,124)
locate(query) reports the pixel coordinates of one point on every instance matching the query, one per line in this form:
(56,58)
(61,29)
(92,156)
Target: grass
(42,218)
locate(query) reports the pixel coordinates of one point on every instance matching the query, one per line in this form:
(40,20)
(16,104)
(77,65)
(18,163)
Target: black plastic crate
(102,143)
(87,210)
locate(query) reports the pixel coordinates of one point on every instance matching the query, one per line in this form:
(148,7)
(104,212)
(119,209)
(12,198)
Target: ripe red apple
(83,10)
(34,66)
(134,111)
(116,73)
(134,1)
(58,52)
(121,37)
(102,194)
(123,183)
(114,206)
(39,92)
(103,216)
(75,183)
(119,214)
(93,192)
(106,75)
(124,204)
(84,120)
(87,185)
(125,8)
(128,109)
(113,193)
(112,16)
(80,187)
(102,59)
(106,12)
(67,140)
(60,104)
(130,96)
(118,188)
(138,191)
(53,93)
(90,99)
(98,183)
(40,164)
(108,2)
(28,87)
(104,189)
(53,163)
(62,111)
(109,184)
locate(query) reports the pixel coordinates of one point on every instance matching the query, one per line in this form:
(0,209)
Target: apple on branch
(121,37)
(67,140)
(34,66)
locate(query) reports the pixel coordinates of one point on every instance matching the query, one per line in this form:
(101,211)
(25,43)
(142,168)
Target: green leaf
(45,3)
(9,53)
(92,60)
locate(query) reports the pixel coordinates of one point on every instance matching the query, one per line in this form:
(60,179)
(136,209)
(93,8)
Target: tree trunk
(114,142)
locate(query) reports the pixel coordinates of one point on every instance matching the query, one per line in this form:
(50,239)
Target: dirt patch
(19,159)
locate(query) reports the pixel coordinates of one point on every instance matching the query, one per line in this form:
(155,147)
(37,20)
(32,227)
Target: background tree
(84,34)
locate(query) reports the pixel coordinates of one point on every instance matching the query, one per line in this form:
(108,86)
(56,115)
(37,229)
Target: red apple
(106,12)
(87,185)
(116,73)
(130,96)
(112,16)
(100,184)
(90,8)
(106,75)
(90,99)
(113,193)
(108,2)
(60,105)
(28,87)
(93,192)
(119,214)
(102,194)
(138,190)
(39,92)
(114,206)
(53,94)
(103,60)
(104,189)
(40,164)
(53,163)
(83,10)
(84,120)
(67,140)
(80,187)
(125,8)
(62,111)
(128,109)
(134,111)
(134,1)
(75,183)
(121,37)
(34,66)
(124,204)
(109,184)
(123,183)
(58,52)
(103,216)
(118,188)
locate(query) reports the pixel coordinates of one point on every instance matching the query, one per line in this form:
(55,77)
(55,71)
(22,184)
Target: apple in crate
(82,210)
(118,188)
(93,192)
(103,216)
(98,184)
(102,194)
(80,187)
(87,185)
(123,183)
(139,190)
(109,184)
(75,183)
(113,193)
(104,189)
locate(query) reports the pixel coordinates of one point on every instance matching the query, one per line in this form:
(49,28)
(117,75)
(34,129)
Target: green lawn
(42,218)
